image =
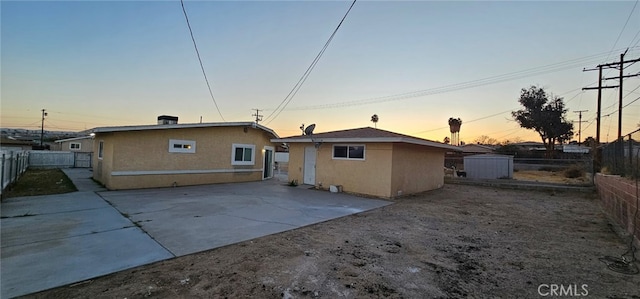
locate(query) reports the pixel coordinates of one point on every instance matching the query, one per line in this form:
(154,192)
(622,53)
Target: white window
(74,146)
(349,152)
(243,154)
(100,149)
(182,146)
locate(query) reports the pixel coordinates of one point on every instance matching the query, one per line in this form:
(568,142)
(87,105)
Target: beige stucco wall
(296,161)
(387,169)
(416,169)
(371,176)
(129,153)
(86,145)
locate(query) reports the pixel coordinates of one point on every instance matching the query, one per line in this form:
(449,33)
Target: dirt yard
(556,177)
(457,242)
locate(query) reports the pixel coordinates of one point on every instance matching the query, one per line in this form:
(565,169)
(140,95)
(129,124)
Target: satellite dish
(309,129)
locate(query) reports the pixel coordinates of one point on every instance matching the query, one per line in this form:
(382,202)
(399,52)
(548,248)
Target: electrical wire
(306,74)
(623,28)
(200,60)
(464,85)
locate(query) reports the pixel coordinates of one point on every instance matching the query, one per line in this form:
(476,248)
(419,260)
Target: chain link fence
(622,157)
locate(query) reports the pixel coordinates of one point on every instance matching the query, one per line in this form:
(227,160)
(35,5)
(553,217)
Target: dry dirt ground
(456,242)
(556,177)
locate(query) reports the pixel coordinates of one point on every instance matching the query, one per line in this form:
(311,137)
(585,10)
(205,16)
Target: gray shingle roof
(367,134)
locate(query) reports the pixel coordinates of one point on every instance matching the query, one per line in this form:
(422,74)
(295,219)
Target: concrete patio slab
(49,241)
(186,220)
(54,240)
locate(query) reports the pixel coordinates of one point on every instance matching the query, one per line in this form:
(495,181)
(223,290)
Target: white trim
(273,159)
(190,149)
(193,171)
(234,146)
(364,154)
(72,139)
(75,149)
(100,149)
(183,126)
(370,140)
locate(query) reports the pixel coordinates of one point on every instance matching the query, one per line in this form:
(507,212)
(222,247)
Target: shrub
(574,171)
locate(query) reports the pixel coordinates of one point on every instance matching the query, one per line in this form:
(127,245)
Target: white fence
(13,164)
(51,159)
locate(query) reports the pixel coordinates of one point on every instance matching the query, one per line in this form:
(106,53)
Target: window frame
(101,149)
(75,143)
(185,146)
(235,146)
(364,150)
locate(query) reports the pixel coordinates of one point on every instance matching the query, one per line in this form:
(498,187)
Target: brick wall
(618,196)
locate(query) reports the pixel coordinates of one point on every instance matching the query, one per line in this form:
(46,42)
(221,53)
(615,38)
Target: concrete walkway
(50,241)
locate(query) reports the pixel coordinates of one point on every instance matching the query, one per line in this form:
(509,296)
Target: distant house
(575,149)
(82,144)
(149,156)
(367,161)
(10,144)
(477,149)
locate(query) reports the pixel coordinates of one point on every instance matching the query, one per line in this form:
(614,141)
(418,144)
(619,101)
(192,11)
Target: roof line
(182,126)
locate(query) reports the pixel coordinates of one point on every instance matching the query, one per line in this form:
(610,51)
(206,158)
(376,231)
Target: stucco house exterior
(166,155)
(367,161)
(82,144)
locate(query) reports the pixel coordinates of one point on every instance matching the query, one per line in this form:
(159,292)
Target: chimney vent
(167,120)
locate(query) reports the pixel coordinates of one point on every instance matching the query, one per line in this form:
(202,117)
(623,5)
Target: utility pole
(620,95)
(619,64)
(580,125)
(42,129)
(599,112)
(257,115)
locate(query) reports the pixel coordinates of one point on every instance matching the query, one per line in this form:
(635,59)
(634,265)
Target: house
(82,144)
(165,155)
(477,149)
(367,161)
(10,144)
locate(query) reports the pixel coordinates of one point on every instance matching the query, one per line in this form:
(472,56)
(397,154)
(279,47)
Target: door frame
(305,166)
(265,151)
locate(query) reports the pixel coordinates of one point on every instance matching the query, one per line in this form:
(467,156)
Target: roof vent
(167,120)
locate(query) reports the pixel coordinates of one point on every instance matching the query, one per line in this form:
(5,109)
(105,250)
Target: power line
(463,85)
(623,28)
(200,60)
(306,74)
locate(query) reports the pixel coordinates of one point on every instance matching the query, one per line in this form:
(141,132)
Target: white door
(309,171)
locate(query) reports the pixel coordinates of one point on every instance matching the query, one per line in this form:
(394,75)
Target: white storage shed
(488,166)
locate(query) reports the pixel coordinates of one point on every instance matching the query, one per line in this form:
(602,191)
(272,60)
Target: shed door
(309,165)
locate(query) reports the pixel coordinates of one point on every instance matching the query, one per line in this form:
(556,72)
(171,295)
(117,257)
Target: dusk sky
(415,64)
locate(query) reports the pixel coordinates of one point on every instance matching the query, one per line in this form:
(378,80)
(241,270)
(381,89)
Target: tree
(446,140)
(486,140)
(544,114)
(454,128)
(374,119)
(589,142)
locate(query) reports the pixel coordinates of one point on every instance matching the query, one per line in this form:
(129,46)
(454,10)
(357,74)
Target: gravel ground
(456,242)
